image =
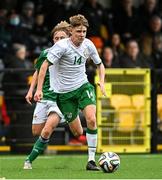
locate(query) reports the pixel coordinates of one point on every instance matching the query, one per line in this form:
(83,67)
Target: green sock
(38,148)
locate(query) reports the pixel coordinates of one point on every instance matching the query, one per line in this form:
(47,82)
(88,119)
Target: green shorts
(70,103)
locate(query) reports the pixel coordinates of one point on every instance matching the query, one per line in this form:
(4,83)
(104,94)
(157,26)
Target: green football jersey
(47,94)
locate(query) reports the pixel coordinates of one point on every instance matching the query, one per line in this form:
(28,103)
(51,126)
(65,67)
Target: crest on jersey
(69,115)
(86,53)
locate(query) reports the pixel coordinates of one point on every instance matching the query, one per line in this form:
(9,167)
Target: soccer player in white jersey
(69,80)
(47,114)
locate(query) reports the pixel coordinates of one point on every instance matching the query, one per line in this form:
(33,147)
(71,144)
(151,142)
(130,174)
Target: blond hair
(78,20)
(62,26)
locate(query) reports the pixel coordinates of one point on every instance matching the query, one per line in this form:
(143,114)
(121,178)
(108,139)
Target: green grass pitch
(143,166)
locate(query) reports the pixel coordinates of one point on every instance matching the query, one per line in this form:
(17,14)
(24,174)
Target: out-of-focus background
(128,37)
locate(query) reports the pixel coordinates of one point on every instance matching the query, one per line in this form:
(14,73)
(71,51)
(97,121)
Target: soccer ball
(109,162)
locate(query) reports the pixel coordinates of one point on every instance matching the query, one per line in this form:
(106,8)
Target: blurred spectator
(147,38)
(15,83)
(39,34)
(26,25)
(109,21)
(155,25)
(157,52)
(157,58)
(95,14)
(15,86)
(14,30)
(14,19)
(109,59)
(125,20)
(49,7)
(146,11)
(18,33)
(146,45)
(27,19)
(116,45)
(132,57)
(59,10)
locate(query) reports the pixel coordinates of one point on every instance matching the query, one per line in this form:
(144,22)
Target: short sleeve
(40,59)
(94,54)
(55,53)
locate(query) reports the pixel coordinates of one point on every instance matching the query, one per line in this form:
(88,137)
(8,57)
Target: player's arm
(54,54)
(29,95)
(41,76)
(100,67)
(101,83)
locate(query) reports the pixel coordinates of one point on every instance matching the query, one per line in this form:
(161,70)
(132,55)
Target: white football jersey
(68,72)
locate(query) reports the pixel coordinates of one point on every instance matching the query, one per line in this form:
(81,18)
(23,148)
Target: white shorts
(43,109)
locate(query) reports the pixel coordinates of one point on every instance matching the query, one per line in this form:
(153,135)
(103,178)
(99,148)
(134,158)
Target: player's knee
(78,133)
(35,132)
(91,121)
(46,132)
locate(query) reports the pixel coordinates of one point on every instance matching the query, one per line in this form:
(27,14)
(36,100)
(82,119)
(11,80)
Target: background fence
(124,116)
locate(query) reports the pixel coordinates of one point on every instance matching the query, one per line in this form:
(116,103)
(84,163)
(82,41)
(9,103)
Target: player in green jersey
(60,31)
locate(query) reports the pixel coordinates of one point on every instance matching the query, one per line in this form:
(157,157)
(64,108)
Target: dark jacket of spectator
(146,11)
(125,20)
(128,62)
(132,57)
(109,60)
(95,14)
(15,82)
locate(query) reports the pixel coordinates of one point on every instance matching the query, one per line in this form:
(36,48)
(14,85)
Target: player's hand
(102,87)
(38,95)
(29,97)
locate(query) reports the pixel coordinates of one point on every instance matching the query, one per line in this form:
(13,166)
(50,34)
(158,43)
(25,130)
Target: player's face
(58,35)
(78,34)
